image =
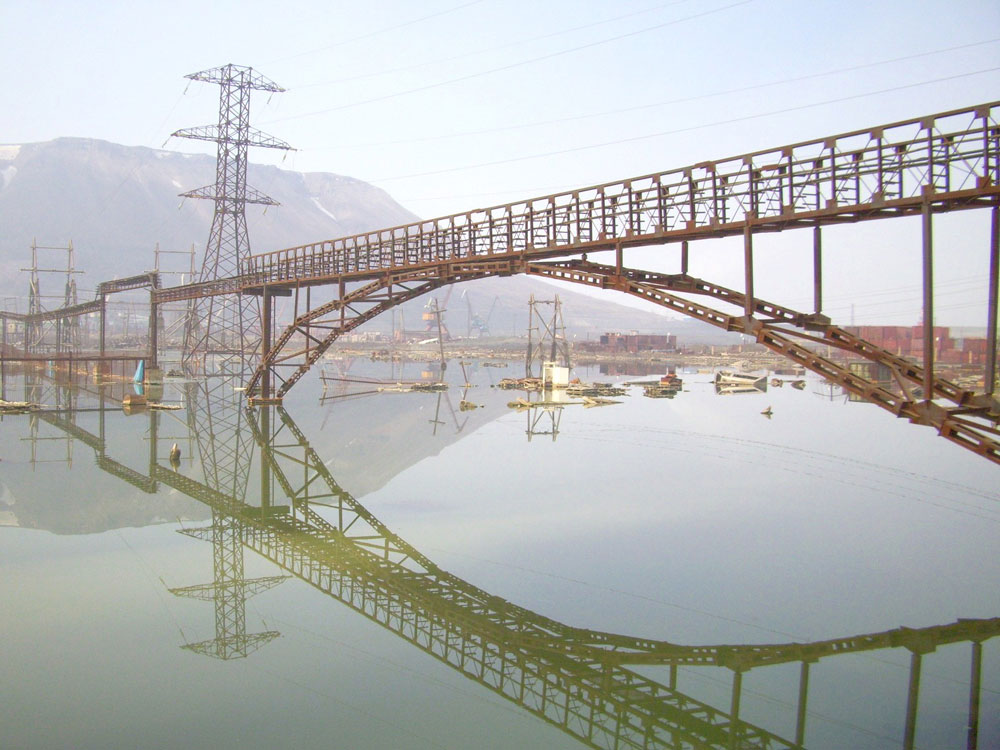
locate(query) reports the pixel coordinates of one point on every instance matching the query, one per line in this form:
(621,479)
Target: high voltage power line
(664,103)
(675,131)
(506,45)
(509,66)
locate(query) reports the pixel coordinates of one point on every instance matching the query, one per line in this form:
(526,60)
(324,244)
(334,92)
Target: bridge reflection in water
(582,681)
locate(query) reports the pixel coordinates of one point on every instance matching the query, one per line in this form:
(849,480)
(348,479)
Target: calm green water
(693,520)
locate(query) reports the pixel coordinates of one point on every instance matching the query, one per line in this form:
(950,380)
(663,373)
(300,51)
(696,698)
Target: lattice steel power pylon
(225,325)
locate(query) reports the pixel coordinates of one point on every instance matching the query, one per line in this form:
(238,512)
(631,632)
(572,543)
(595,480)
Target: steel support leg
(673,677)
(265,342)
(3,361)
(154,428)
(104,318)
(818,269)
(153,333)
(991,315)
(265,465)
(684,257)
(734,710)
(928,268)
(800,723)
(974,689)
(911,702)
(748,270)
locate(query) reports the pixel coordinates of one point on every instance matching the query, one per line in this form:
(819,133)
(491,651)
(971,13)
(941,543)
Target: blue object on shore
(140,372)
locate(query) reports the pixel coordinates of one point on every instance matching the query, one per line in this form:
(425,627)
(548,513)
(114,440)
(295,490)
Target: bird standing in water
(175,454)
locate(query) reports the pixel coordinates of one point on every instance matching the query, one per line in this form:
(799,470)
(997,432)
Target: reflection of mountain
(106,505)
(43,493)
(370,440)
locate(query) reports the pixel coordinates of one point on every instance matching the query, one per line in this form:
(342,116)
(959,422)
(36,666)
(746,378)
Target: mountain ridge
(118,203)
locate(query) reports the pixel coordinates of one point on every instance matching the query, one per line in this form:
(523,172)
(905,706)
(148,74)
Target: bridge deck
(951,160)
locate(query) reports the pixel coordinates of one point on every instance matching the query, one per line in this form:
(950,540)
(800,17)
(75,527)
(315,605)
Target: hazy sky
(455,104)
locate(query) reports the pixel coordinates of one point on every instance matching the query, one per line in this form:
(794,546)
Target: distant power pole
(227,324)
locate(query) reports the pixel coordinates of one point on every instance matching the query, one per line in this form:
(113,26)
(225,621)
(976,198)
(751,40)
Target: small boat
(733,389)
(725,377)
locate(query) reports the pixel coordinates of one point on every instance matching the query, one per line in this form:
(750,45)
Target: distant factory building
(637,342)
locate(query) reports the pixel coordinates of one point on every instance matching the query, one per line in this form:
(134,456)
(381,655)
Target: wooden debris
(17,407)
(590,401)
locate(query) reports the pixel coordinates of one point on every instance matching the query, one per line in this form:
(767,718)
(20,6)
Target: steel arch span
(921,167)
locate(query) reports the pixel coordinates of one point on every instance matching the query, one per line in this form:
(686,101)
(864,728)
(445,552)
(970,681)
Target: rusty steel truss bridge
(922,167)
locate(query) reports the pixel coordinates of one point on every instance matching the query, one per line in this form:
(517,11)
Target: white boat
(725,377)
(734,389)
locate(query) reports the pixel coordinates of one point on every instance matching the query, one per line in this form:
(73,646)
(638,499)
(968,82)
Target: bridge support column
(974,688)
(154,430)
(910,732)
(265,344)
(734,710)
(991,315)
(818,269)
(265,465)
(684,257)
(928,268)
(748,270)
(104,319)
(154,310)
(800,722)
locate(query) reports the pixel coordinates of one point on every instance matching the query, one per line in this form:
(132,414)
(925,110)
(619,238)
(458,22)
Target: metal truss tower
(546,340)
(225,325)
(67,334)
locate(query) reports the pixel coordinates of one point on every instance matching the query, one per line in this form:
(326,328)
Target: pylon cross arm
(242,75)
(253,137)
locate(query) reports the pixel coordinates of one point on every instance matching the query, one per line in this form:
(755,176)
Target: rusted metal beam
(927,256)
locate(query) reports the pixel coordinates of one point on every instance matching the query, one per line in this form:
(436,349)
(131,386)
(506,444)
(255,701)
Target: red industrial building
(908,341)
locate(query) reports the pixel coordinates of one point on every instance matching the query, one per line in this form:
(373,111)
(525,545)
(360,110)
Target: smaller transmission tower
(67,334)
(546,337)
(226,325)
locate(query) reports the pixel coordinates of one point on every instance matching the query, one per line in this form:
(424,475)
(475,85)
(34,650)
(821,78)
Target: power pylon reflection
(228,592)
(217,423)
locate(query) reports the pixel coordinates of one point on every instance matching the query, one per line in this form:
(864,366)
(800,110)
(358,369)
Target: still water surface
(306,603)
